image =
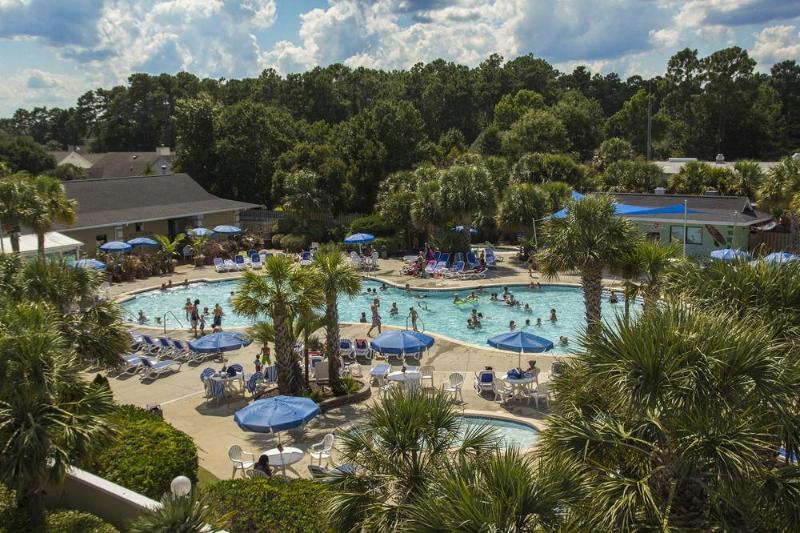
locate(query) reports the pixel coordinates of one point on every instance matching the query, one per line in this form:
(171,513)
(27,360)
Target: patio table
(519,386)
(287,457)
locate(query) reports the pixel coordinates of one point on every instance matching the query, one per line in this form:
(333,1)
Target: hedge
(269,505)
(13,520)
(147,453)
(294,242)
(373,224)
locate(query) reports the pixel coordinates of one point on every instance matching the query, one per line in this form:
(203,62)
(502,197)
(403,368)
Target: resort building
(121,208)
(118,164)
(710,221)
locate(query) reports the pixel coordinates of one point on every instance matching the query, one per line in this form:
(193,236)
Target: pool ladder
(164,320)
(420,322)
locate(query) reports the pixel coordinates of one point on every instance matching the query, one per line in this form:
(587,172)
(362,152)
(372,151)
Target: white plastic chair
(426,373)
(256,474)
(455,382)
(541,392)
(321,374)
(374,263)
(323,449)
(236,455)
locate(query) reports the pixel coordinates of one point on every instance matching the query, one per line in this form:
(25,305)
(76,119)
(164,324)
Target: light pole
(181,486)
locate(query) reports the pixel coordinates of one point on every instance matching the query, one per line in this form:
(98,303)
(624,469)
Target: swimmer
(539,321)
(457,299)
(394,310)
(186,282)
(169,284)
(505,292)
(363,318)
(187,308)
(412,314)
(470,325)
(163,286)
(474,312)
(480,315)
(476,322)
(142,317)
(528,308)
(493,298)
(206,312)
(408,287)
(538,285)
(230,298)
(612,299)
(527,322)
(383,286)
(563,341)
(512,326)
(473,296)
(481,289)
(553,317)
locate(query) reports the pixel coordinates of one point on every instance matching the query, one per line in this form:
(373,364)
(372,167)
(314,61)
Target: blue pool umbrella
(779,258)
(198,232)
(359,238)
(227,230)
(460,229)
(144,241)
(729,254)
(220,342)
(520,341)
(278,413)
(91,263)
(401,342)
(116,246)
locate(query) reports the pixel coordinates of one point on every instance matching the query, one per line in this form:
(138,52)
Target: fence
(770,241)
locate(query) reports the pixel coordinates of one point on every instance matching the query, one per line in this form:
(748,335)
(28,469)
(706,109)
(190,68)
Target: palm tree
(405,440)
(177,514)
(304,325)
(52,205)
(334,276)
(780,195)
(50,417)
(673,422)
(169,249)
(643,268)
(280,292)
(589,239)
(502,491)
(463,191)
(17,200)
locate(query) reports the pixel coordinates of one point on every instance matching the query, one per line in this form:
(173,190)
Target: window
(694,234)
(139,227)
(100,238)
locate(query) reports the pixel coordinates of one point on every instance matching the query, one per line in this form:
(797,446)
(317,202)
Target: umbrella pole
(519,360)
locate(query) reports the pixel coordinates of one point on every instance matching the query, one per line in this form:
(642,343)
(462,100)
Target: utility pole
(649,124)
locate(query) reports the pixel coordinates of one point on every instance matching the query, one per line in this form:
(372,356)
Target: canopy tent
(401,342)
(54,244)
(520,342)
(729,254)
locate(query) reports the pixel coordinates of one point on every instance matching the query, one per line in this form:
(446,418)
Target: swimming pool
(511,433)
(437,313)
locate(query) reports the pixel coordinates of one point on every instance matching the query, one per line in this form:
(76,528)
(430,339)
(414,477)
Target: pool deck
(211,425)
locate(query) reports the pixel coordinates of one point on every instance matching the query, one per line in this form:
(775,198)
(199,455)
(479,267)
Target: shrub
(147,453)
(351,385)
(276,239)
(394,244)
(77,522)
(267,505)
(374,224)
(294,242)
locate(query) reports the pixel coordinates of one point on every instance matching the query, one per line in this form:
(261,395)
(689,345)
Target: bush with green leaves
(294,242)
(267,505)
(13,519)
(147,453)
(373,224)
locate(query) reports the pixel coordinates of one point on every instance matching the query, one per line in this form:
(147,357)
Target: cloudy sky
(53,50)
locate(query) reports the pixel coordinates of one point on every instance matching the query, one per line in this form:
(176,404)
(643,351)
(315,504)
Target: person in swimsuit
(376,318)
(218,314)
(412,313)
(195,316)
(187,308)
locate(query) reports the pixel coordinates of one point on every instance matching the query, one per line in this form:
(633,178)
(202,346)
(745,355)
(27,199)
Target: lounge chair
(346,349)
(185,353)
(456,272)
(445,257)
(156,369)
(362,349)
(458,257)
(430,268)
(485,382)
(230,266)
(255,383)
(323,449)
(413,356)
(219,265)
(131,364)
(167,348)
(436,255)
(379,372)
(440,269)
(472,262)
(313,361)
(270,374)
(318,472)
(473,274)
(321,375)
(255,261)
(305,259)
(491,260)
(151,346)
(240,263)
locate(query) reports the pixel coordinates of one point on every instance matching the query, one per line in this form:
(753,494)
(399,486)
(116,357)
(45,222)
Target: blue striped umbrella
(144,241)
(520,342)
(227,230)
(359,238)
(220,342)
(116,246)
(400,342)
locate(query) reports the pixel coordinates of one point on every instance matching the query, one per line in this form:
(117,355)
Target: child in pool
(363,318)
(528,308)
(142,317)
(539,321)
(394,310)
(527,322)
(470,325)
(512,326)
(553,317)
(457,299)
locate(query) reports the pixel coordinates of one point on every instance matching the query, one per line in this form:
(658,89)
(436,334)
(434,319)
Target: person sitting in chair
(263,465)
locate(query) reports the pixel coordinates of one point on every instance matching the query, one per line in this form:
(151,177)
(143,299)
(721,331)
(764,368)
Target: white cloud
(776,43)
(31,87)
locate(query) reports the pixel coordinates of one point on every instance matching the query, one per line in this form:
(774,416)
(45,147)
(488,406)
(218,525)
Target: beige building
(141,206)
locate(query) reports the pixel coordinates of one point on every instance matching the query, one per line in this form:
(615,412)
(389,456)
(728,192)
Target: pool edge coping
(537,425)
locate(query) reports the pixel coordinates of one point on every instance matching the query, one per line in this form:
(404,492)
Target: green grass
(205,478)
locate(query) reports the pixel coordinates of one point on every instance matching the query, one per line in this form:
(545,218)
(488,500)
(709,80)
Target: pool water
(511,433)
(437,313)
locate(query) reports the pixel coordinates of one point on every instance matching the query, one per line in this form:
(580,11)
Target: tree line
(354,127)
